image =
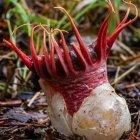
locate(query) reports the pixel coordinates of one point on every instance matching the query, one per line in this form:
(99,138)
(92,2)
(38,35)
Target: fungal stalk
(81,100)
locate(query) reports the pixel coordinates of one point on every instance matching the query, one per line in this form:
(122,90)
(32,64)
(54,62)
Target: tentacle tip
(59,7)
(63,10)
(110,6)
(59,30)
(131,4)
(6,42)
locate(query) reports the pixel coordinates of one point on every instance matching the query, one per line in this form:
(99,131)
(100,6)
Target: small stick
(132,85)
(125,48)
(33,99)
(117,74)
(124,74)
(11,103)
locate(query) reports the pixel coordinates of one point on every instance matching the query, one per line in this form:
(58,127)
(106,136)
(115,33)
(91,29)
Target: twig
(117,74)
(132,85)
(14,86)
(11,103)
(24,124)
(33,99)
(125,48)
(124,74)
(130,59)
(7,56)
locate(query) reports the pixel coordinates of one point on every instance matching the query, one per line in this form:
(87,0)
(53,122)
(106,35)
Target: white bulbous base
(102,116)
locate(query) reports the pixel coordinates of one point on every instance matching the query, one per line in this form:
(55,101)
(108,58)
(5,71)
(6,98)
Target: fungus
(81,100)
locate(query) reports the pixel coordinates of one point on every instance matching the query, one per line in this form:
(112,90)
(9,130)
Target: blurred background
(19,88)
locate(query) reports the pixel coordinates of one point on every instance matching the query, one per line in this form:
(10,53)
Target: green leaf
(112,25)
(117,3)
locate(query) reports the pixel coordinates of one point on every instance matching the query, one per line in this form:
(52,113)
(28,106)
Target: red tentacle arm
(67,55)
(82,45)
(46,55)
(100,47)
(60,55)
(39,61)
(111,39)
(33,52)
(26,59)
(80,56)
